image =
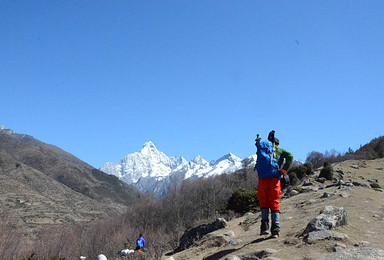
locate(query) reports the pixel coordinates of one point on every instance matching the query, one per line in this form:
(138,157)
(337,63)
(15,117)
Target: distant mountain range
(152,171)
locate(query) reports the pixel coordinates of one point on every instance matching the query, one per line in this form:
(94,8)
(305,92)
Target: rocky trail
(320,219)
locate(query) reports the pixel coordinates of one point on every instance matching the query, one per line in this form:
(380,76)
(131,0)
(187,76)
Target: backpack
(266,164)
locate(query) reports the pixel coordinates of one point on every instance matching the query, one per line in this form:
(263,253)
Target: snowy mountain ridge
(152,171)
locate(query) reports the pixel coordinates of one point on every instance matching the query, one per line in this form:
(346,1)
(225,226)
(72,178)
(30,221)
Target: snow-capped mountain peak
(229,156)
(199,160)
(152,171)
(149,145)
(149,148)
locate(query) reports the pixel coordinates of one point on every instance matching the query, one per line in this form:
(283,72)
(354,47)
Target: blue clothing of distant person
(140,243)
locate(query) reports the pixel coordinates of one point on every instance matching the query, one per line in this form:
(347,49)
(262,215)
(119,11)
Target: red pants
(269,192)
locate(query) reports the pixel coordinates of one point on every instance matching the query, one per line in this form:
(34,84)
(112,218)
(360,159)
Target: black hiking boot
(264,228)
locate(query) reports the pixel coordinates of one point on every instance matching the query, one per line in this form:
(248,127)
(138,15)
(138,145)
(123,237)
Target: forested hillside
(370,151)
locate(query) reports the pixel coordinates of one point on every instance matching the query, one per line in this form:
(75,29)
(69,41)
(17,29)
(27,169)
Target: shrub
(293,178)
(297,173)
(309,168)
(302,170)
(327,171)
(242,201)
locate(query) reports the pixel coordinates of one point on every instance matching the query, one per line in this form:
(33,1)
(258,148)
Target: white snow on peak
(149,145)
(149,149)
(230,156)
(226,164)
(150,162)
(252,158)
(199,160)
(150,167)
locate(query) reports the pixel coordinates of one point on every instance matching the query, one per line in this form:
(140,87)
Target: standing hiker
(140,243)
(272,163)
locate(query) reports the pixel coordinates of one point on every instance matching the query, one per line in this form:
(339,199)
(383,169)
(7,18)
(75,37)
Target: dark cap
(277,141)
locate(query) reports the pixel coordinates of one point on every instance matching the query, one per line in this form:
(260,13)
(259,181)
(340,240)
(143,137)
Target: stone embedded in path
(362,244)
(307,189)
(355,254)
(365,185)
(339,246)
(229,233)
(327,195)
(329,218)
(293,193)
(321,179)
(316,236)
(259,254)
(235,241)
(233,257)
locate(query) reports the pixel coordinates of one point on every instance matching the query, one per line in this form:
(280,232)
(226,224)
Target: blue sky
(100,78)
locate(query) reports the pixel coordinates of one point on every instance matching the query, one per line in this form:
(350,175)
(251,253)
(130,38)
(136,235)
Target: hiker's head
(277,142)
(140,235)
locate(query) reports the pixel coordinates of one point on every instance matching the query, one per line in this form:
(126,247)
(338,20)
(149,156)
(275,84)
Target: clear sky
(101,78)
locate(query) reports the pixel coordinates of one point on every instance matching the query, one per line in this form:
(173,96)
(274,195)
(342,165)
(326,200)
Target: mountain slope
(37,199)
(106,190)
(363,205)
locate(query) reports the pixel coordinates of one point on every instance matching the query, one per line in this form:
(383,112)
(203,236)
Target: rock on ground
(356,254)
(329,218)
(188,239)
(316,236)
(261,254)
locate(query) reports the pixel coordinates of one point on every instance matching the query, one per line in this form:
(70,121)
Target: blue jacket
(140,242)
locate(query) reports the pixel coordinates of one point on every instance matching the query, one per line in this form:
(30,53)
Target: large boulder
(329,218)
(209,241)
(316,236)
(195,234)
